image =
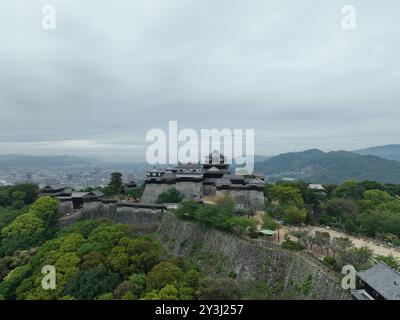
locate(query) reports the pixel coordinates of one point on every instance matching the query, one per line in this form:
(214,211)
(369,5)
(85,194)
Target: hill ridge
(330,167)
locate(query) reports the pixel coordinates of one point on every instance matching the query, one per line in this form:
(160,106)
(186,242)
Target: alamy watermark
(48,21)
(190,146)
(49,280)
(349,20)
(349,280)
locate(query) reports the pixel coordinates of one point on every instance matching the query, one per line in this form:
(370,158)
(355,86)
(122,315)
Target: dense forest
(99,260)
(92,259)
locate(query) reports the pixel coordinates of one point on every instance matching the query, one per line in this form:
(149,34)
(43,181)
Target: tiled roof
(383,279)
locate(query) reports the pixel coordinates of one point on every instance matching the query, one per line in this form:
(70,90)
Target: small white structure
(314,186)
(289,179)
(172,205)
(267,232)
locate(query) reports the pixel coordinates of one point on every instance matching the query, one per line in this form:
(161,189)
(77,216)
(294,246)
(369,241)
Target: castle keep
(208,180)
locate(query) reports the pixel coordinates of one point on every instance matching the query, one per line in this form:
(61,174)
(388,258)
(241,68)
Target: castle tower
(215,164)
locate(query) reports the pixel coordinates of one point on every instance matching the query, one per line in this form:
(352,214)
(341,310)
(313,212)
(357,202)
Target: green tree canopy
(91,283)
(390,260)
(360,258)
(294,216)
(350,190)
(188,209)
(341,209)
(24,232)
(30,190)
(286,195)
(170,196)
(5,199)
(221,289)
(163,274)
(269,222)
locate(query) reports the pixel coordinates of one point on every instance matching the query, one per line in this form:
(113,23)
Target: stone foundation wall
(65,207)
(68,220)
(249,198)
(97,209)
(120,214)
(139,218)
(152,191)
(195,190)
(189,190)
(209,190)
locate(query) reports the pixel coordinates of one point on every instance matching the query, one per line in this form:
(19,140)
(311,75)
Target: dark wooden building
(55,191)
(79,198)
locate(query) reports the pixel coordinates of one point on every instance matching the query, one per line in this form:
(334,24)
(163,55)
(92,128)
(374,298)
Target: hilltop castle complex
(206,181)
(201,182)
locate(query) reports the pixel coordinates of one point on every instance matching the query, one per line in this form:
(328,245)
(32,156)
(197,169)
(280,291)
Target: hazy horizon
(96,157)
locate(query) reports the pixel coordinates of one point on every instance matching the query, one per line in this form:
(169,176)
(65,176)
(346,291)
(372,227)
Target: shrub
(163,274)
(220,289)
(170,196)
(269,222)
(106,296)
(291,245)
(330,261)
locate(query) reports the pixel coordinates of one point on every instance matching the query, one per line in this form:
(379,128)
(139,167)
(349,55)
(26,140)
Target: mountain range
(389,152)
(21,161)
(330,167)
(40,162)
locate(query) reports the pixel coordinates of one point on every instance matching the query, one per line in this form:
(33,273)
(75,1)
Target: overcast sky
(112,70)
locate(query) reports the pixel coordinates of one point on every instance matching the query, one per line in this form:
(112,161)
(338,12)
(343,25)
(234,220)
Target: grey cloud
(113,70)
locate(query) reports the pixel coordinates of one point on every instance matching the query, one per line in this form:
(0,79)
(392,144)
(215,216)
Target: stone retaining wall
(220,254)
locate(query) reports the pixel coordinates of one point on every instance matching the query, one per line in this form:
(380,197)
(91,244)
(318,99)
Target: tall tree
(286,195)
(115,186)
(294,216)
(322,239)
(341,209)
(339,245)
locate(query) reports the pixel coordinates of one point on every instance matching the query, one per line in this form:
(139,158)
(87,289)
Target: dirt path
(357,242)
